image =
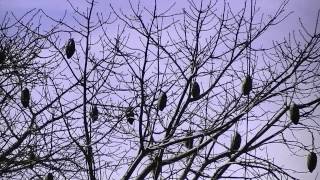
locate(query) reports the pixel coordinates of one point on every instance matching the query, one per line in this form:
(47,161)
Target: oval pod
(157,167)
(247,85)
(195,90)
(162,102)
(94,113)
(32,155)
(311,161)
(235,143)
(189,142)
(2,56)
(294,113)
(49,176)
(130,115)
(25,97)
(71,48)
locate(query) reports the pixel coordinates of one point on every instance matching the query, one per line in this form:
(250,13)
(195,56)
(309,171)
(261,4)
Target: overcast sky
(305,9)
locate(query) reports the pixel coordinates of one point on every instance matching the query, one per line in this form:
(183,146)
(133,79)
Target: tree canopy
(157,93)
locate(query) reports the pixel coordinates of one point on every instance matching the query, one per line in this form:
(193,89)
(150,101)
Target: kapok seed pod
(294,113)
(312,161)
(130,115)
(94,113)
(247,85)
(195,90)
(2,56)
(189,142)
(235,142)
(25,97)
(32,156)
(89,150)
(157,167)
(49,176)
(162,102)
(71,48)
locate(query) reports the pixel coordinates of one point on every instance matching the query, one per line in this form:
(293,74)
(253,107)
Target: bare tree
(155,93)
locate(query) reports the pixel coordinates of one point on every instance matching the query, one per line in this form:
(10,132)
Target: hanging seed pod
(49,176)
(32,155)
(247,85)
(294,113)
(195,90)
(194,65)
(189,142)
(2,56)
(94,113)
(157,167)
(162,102)
(25,97)
(71,48)
(89,150)
(312,161)
(130,115)
(235,143)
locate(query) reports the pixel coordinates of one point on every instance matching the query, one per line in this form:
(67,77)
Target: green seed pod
(94,113)
(130,115)
(247,85)
(312,161)
(71,48)
(162,102)
(294,113)
(189,142)
(49,176)
(195,90)
(25,97)
(235,143)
